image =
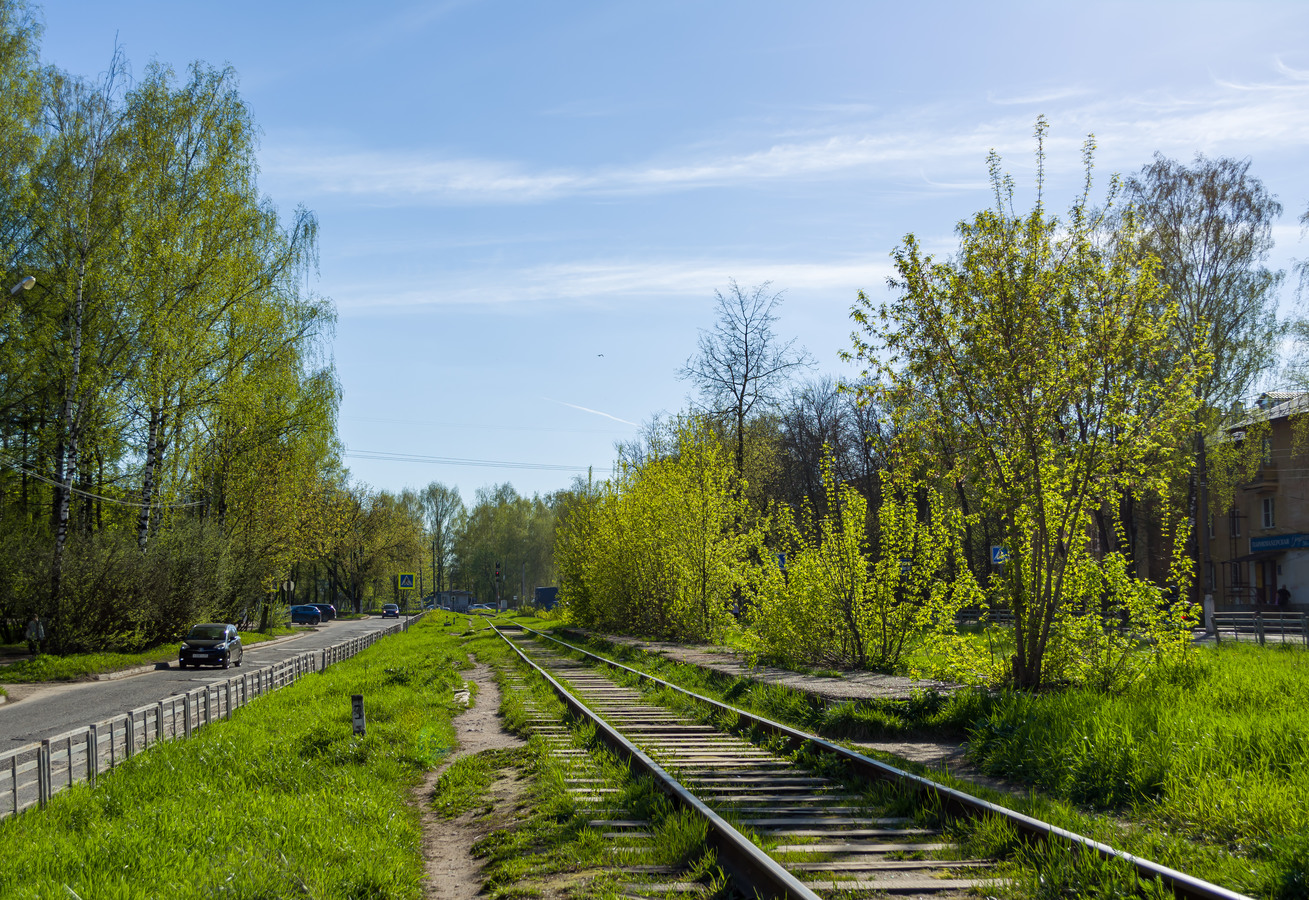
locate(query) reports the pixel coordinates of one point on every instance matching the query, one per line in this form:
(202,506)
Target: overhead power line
(32,473)
(456,461)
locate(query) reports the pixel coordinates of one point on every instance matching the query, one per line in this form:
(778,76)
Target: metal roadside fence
(1287,627)
(32,774)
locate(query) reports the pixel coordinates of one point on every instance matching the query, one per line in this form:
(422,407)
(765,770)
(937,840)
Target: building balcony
(1264,481)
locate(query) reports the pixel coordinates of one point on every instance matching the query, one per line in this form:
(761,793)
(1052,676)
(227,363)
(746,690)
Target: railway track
(835,825)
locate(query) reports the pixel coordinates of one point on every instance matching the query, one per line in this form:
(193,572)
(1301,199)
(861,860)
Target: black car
(390,611)
(326,610)
(213,644)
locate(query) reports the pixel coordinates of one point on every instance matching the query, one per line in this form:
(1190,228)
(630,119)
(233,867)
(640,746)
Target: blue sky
(508,190)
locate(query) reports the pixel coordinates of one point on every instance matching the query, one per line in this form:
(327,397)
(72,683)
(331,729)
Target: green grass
(76,666)
(1217,752)
(281,801)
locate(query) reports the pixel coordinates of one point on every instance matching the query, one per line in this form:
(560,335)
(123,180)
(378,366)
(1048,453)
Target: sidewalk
(847,686)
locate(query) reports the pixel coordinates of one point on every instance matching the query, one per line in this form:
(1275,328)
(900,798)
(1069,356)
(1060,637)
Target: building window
(1268,512)
(1266,448)
(1236,522)
(1211,525)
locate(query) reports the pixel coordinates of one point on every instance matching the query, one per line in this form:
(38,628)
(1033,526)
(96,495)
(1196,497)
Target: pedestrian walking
(35,635)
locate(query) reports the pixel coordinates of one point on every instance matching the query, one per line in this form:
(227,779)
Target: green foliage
(839,603)
(507,528)
(664,549)
(166,413)
(1040,359)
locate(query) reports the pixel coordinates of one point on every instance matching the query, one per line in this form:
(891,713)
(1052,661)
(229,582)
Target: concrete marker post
(357,714)
(186,715)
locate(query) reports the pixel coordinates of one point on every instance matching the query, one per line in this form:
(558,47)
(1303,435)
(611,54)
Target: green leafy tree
(838,600)
(1025,351)
(445,514)
(79,178)
(1209,225)
(660,550)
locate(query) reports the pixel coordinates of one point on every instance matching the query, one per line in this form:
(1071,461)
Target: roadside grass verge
(76,666)
(281,801)
(1205,770)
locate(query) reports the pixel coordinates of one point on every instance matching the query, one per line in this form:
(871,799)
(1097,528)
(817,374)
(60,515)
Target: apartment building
(1259,547)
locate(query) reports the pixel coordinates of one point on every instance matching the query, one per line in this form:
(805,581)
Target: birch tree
(80,180)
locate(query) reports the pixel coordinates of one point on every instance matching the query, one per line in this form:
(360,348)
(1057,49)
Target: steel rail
(1181,884)
(757,872)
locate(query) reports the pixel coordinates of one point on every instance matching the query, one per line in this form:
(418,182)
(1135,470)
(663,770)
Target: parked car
(212,643)
(327,610)
(306,615)
(390,611)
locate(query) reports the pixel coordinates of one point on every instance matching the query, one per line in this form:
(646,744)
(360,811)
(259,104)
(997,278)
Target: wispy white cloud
(406,178)
(954,185)
(1284,69)
(605,282)
(1225,115)
(594,412)
(404,23)
(1053,95)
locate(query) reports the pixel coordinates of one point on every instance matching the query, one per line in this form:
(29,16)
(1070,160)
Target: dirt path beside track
(452,872)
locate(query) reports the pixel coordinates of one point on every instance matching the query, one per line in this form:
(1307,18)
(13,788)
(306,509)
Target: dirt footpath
(452,872)
(847,686)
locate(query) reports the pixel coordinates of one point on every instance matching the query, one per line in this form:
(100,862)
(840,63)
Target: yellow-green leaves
(664,548)
(1032,374)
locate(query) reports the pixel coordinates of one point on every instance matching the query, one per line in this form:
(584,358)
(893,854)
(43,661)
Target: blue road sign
(999,555)
(406,581)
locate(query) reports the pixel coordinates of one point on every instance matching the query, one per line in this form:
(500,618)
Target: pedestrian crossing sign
(406,581)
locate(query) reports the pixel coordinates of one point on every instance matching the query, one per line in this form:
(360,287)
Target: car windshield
(207,632)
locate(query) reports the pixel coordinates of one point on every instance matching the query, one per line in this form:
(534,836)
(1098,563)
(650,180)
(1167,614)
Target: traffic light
(497,571)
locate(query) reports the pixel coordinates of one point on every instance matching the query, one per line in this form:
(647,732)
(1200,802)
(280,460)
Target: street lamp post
(24,285)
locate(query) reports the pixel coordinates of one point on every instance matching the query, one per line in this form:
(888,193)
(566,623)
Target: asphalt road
(35,712)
